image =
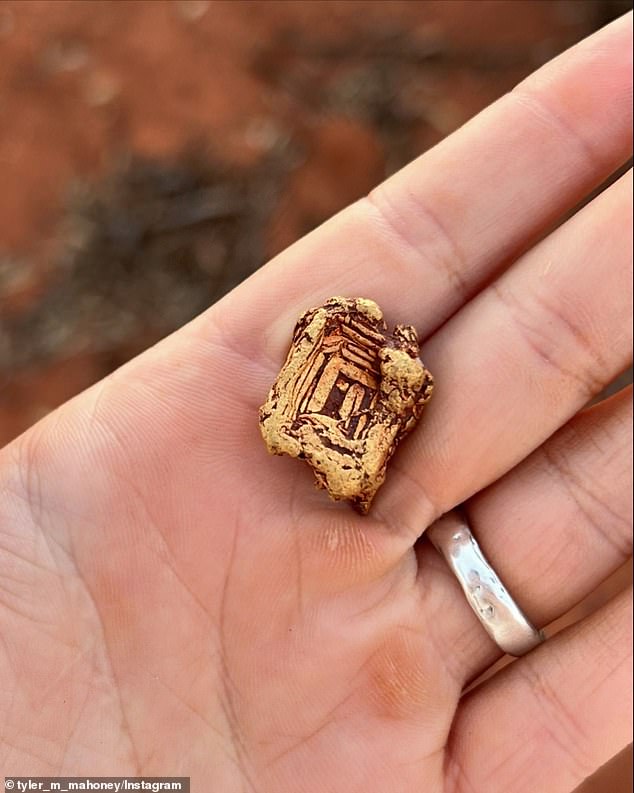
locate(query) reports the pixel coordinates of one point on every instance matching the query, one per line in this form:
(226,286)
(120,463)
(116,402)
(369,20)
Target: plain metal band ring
(500,615)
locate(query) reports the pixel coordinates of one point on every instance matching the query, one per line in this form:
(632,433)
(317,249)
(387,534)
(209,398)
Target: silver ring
(500,615)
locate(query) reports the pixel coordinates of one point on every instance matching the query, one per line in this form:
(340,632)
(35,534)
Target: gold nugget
(346,395)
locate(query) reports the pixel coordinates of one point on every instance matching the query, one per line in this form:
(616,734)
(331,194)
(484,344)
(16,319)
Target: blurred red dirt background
(306,105)
(155,153)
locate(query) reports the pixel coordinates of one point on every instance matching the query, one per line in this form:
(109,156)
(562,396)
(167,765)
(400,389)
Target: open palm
(175,601)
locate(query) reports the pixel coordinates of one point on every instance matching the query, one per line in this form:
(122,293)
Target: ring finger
(553,528)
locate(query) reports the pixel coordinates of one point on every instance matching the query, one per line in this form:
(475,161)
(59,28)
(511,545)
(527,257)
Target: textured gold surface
(346,395)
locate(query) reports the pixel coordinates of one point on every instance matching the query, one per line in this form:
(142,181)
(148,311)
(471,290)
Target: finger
(518,361)
(505,381)
(567,703)
(432,235)
(553,529)
(190,395)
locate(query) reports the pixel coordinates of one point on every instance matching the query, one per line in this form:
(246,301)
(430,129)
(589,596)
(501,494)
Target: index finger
(428,238)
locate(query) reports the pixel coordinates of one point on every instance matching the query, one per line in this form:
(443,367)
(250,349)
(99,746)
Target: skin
(175,601)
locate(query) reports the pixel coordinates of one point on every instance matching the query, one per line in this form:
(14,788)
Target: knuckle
(591,500)
(555,339)
(558,722)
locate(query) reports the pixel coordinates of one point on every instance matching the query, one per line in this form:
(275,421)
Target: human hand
(174,601)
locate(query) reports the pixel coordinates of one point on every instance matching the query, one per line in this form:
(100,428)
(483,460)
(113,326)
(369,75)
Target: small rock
(7,23)
(101,88)
(192,10)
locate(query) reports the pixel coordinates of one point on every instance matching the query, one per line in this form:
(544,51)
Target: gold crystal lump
(346,395)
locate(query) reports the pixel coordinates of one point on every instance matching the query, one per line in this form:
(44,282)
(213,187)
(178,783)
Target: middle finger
(518,361)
